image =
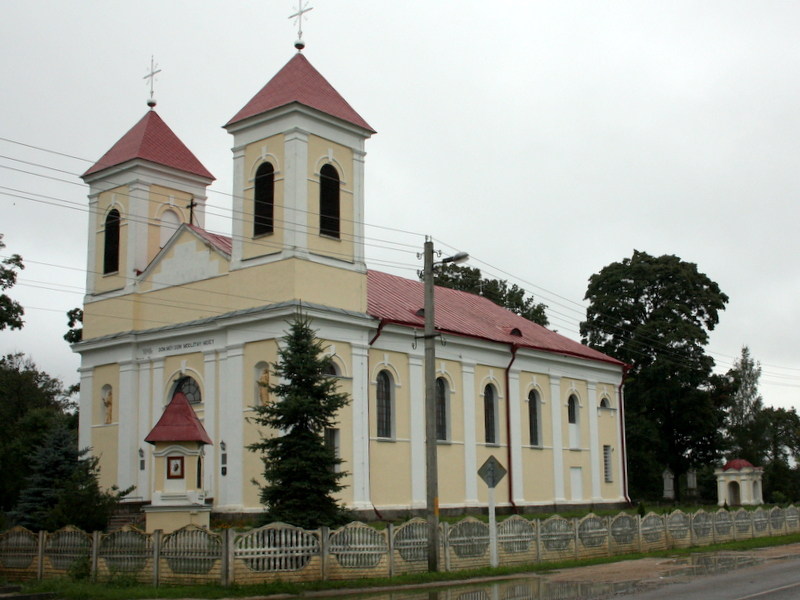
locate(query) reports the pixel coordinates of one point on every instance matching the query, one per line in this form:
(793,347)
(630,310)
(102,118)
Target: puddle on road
(710,564)
(533,588)
(539,588)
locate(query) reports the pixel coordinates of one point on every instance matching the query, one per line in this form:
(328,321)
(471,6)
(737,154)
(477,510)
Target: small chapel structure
(739,483)
(179,318)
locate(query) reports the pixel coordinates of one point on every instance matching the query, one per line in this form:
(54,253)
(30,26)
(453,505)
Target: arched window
(441,409)
(111,243)
(604,403)
(384,405)
(188,386)
(533,418)
(264,200)
(329,201)
(169,225)
(573,416)
(489,414)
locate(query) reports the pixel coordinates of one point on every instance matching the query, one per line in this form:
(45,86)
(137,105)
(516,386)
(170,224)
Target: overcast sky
(547,139)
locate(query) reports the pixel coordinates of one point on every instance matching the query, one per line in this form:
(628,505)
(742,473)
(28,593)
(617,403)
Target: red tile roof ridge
(298,81)
(397,300)
(219,241)
(151,139)
(178,423)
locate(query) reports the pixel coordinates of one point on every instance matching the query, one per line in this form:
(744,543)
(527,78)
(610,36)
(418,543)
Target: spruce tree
(63,488)
(300,471)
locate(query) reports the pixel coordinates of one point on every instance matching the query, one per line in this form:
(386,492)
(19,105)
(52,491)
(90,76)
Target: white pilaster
(416,404)
(231,426)
(210,418)
(622,467)
(556,411)
(91,254)
(360,412)
(128,431)
(358,209)
(295,185)
(515,442)
(137,222)
(238,228)
(157,397)
(595,457)
(85,408)
(144,418)
(470,434)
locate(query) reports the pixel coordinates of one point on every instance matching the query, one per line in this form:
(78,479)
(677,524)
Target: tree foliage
(299,469)
(655,314)
(31,403)
(74,319)
(11,311)
(62,487)
(512,297)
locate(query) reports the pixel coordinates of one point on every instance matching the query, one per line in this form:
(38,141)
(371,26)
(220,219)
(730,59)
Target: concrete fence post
(324,542)
(445,538)
(390,536)
(157,556)
(40,555)
(95,554)
(577,537)
(231,549)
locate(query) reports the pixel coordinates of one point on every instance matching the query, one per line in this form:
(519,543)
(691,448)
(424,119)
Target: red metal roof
(397,300)
(179,423)
(737,464)
(221,242)
(299,82)
(151,139)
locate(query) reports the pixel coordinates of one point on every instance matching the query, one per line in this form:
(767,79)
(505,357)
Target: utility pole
(431,443)
(431,449)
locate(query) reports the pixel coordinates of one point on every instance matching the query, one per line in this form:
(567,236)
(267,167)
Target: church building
(173,310)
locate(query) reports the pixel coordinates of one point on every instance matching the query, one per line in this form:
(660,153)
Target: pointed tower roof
(179,423)
(299,82)
(152,140)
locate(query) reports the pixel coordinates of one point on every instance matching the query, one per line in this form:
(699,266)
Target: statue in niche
(263,387)
(108,403)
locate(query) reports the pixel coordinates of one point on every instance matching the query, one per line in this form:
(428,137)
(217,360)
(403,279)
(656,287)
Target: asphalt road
(775,580)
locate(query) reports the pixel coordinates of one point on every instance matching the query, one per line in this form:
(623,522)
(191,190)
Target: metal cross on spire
(151,75)
(301,10)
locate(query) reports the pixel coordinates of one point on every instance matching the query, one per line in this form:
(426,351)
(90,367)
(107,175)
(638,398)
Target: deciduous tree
(513,297)
(299,469)
(11,311)
(655,313)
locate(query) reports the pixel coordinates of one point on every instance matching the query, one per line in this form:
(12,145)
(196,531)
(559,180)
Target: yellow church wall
(485,375)
(104,437)
(582,459)
(537,474)
(342,353)
(320,152)
(270,150)
(161,199)
(537,462)
(581,390)
(451,473)
(107,316)
(390,486)
(331,286)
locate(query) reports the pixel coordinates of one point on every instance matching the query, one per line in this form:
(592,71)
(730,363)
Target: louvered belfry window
(111,243)
(263,213)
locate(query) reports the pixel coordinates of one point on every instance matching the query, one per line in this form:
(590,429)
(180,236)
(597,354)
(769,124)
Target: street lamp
(431,462)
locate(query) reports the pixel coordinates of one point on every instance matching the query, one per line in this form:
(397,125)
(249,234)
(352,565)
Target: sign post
(492,472)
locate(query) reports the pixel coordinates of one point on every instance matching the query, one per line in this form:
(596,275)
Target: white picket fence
(279,551)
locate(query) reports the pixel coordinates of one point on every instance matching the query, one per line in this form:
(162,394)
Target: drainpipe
(622,428)
(372,341)
(514,348)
